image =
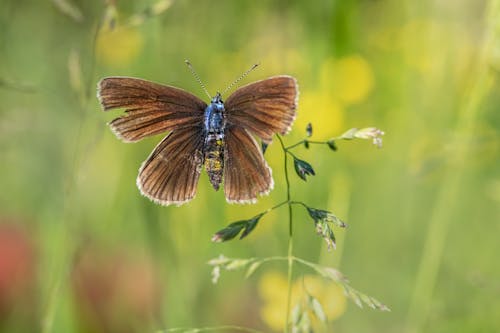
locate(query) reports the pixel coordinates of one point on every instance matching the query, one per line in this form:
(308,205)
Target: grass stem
(441,215)
(290,238)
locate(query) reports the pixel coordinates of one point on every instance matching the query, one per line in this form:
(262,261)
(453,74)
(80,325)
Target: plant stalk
(290,239)
(441,217)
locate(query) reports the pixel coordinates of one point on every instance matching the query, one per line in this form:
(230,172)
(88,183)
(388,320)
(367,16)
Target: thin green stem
(290,274)
(298,203)
(279,205)
(287,258)
(306,263)
(291,154)
(287,180)
(274,207)
(290,238)
(62,270)
(441,215)
(301,142)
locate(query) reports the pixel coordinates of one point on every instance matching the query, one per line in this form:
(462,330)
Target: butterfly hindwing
(151,108)
(264,107)
(246,173)
(170,174)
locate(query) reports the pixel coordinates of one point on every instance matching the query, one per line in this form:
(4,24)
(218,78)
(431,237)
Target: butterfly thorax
(214,127)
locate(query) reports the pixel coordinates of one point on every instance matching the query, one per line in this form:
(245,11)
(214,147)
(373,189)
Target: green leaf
(215,274)
(309,130)
(250,225)
(336,221)
(253,267)
(296,314)
(305,323)
(317,309)
(68,8)
(219,261)
(372,133)
(332,145)
(229,232)
(322,220)
(356,296)
(324,215)
(264,147)
(237,263)
(323,229)
(233,229)
(334,275)
(302,168)
(367,300)
(227,264)
(317,214)
(349,134)
(329,237)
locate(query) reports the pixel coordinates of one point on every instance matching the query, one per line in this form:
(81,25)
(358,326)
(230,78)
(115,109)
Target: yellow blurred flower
(323,111)
(330,295)
(118,46)
(342,82)
(419,39)
(414,42)
(273,292)
(349,79)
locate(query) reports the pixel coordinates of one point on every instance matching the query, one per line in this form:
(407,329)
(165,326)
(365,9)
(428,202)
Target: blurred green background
(82,251)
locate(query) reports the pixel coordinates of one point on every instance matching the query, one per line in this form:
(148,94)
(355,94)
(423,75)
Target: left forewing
(151,108)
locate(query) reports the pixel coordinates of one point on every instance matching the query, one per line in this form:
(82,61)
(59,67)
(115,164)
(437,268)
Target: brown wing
(264,107)
(246,173)
(171,172)
(151,108)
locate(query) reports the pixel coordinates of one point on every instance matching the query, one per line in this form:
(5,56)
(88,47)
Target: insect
(218,136)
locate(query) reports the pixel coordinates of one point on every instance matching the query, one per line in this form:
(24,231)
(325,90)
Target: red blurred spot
(116,291)
(17,276)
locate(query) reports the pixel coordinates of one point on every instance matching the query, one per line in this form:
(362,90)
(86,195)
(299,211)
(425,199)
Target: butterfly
(219,136)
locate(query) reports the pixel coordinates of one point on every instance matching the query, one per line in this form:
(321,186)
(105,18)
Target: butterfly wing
(151,108)
(171,172)
(264,107)
(246,173)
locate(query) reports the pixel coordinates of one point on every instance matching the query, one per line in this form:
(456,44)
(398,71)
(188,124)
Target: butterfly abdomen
(214,158)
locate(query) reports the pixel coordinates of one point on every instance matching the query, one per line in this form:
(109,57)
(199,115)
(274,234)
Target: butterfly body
(213,147)
(219,136)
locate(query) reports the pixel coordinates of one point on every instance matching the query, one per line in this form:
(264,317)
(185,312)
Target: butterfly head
(217,102)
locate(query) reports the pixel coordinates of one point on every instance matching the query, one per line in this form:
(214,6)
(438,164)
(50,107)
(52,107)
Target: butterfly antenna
(197,77)
(240,78)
